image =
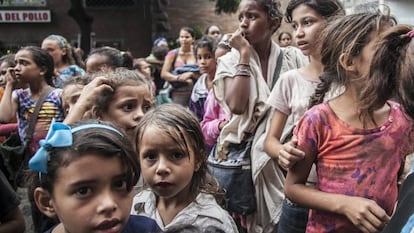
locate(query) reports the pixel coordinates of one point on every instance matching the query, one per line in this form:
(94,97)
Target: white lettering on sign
(34,16)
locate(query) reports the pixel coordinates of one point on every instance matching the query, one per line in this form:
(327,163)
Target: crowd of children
(327,123)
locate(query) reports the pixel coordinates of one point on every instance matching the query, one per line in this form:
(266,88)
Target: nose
(244,23)
(138,114)
(299,32)
(162,167)
(107,203)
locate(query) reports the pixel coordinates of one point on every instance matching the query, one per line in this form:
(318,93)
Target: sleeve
(281,95)
(213,116)
(307,132)
(8,198)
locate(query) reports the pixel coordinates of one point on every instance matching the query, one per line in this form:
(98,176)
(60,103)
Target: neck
(314,69)
(263,50)
(168,208)
(37,87)
(186,49)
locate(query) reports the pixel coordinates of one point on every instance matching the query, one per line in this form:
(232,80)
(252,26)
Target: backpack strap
(278,68)
(35,115)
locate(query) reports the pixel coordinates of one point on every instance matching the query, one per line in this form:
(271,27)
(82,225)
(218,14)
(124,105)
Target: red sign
(29,16)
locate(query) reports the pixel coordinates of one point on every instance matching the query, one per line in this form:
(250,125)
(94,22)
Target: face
(214,32)
(53,48)
(3,70)
(128,105)
(164,166)
(185,38)
(145,68)
(70,95)
(92,200)
(285,40)
(308,25)
(254,23)
(206,61)
(26,70)
(96,63)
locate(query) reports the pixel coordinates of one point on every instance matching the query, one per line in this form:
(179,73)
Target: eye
(147,107)
(128,107)
(308,22)
(177,155)
(251,16)
(150,156)
(241,18)
(294,26)
(83,192)
(120,184)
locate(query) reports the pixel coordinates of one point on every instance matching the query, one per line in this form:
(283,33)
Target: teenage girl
(242,84)
(85,199)
(290,96)
(172,155)
(214,32)
(34,67)
(388,77)
(356,190)
(121,97)
(204,49)
(64,60)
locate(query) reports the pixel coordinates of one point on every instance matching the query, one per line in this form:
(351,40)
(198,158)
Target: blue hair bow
(59,135)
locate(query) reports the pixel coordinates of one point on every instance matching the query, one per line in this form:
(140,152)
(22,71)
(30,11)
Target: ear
(346,63)
(274,24)
(43,70)
(44,202)
(96,113)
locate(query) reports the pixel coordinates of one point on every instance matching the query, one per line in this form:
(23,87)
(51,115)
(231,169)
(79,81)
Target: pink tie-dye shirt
(352,161)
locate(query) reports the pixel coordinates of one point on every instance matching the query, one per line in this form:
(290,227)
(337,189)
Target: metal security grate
(109,3)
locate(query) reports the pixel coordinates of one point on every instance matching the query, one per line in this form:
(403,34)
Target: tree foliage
(227,6)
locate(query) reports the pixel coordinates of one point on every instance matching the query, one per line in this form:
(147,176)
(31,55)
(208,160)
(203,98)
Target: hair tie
(410,34)
(59,135)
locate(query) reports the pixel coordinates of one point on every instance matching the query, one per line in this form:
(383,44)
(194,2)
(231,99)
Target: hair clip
(59,135)
(410,34)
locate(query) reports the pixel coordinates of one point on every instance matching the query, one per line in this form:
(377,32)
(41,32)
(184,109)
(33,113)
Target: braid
(322,88)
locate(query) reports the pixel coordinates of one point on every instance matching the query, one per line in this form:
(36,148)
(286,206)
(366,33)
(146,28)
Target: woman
(184,59)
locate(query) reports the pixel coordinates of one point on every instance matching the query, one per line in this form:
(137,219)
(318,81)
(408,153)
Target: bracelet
(243,72)
(243,64)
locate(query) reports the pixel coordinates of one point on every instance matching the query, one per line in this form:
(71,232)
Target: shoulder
(172,52)
(144,203)
(137,223)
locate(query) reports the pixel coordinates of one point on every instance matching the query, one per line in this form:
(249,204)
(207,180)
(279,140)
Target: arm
(8,104)
(168,65)
(287,154)
(364,213)
(238,87)
(87,98)
(13,222)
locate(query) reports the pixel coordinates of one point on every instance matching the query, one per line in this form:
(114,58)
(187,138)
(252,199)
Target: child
(388,77)
(357,155)
(172,155)
(290,96)
(285,39)
(71,91)
(34,67)
(85,199)
(204,49)
(121,97)
(104,59)
(242,84)
(61,51)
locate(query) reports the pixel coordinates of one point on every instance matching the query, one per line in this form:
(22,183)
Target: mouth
(163,185)
(110,226)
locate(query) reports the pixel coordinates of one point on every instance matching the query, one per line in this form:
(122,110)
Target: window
(109,3)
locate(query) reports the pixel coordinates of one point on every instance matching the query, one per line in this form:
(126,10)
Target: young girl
(61,51)
(285,39)
(121,97)
(358,154)
(173,161)
(290,96)
(204,49)
(85,199)
(389,77)
(104,59)
(242,84)
(34,67)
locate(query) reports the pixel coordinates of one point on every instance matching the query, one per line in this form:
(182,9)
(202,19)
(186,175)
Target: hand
(10,78)
(289,154)
(222,124)
(237,40)
(92,90)
(365,214)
